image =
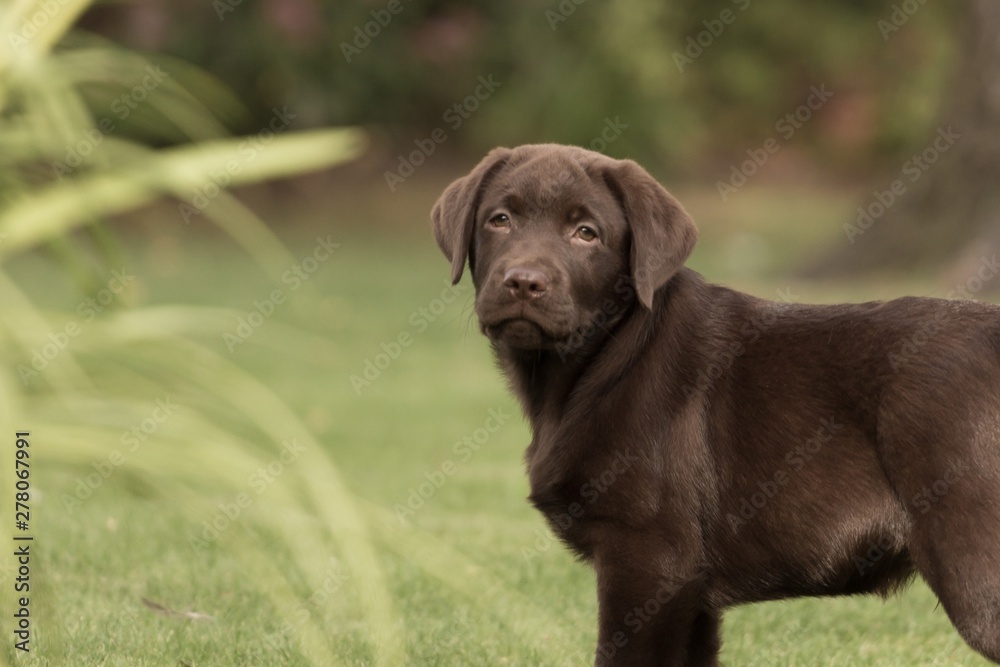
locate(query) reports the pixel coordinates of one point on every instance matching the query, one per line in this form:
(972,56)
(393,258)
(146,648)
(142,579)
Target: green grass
(461,589)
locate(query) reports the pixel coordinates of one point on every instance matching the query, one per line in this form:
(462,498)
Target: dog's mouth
(525,325)
(520,333)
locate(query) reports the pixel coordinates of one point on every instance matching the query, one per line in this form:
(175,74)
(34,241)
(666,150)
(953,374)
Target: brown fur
(703,448)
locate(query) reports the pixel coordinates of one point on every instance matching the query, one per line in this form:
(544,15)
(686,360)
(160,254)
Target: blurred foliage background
(693,89)
(564,67)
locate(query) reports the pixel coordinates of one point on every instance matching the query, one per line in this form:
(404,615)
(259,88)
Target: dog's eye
(585,233)
(499,221)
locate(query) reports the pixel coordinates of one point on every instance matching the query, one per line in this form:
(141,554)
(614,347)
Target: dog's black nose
(526,284)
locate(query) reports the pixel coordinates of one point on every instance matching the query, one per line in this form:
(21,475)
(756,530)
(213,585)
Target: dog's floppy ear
(454,214)
(663,234)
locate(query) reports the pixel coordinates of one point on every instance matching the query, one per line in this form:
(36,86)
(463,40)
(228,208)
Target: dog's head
(558,238)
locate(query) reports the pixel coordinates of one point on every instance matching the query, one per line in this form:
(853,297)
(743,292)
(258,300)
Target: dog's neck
(541,380)
(545,380)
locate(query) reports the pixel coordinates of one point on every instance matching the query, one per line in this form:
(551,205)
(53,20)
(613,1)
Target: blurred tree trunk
(948,212)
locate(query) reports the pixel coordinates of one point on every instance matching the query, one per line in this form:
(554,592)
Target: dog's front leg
(651,611)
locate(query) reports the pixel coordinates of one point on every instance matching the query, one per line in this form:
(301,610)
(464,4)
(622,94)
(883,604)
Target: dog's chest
(576,488)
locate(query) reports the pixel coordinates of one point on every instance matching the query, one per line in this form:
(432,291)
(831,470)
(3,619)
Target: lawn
(384,521)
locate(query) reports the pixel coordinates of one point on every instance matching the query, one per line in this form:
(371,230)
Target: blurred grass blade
(57,18)
(197,117)
(61,207)
(27,328)
(121,363)
(532,623)
(320,486)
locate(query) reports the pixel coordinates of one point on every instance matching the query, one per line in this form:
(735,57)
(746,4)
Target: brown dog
(704,448)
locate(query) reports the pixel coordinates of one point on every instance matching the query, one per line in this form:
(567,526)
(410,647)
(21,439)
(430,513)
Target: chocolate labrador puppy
(702,447)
